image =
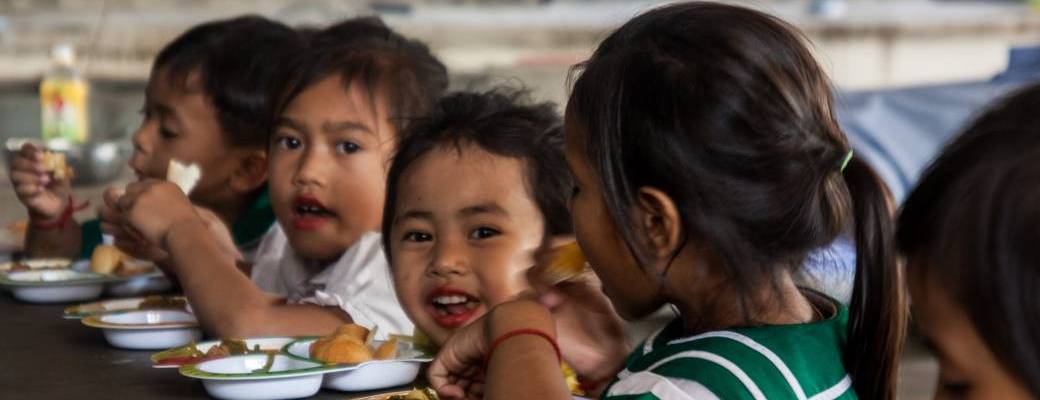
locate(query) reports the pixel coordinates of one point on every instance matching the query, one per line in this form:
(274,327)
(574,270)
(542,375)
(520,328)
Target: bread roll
(106,258)
(344,346)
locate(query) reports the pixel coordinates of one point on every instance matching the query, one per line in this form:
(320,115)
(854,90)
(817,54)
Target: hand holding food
(151,207)
(41,181)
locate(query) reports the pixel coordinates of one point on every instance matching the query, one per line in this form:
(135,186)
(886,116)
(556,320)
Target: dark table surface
(44,356)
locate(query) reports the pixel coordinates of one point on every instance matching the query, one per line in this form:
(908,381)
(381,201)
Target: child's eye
(166,132)
(287,142)
(416,236)
(347,147)
(483,233)
(955,389)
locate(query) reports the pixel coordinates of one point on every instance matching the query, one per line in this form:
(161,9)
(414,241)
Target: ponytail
(878,310)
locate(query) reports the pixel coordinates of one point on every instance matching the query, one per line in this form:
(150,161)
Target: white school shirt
(359,282)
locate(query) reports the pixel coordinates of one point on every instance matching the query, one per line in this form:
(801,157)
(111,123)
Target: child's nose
(448,260)
(311,169)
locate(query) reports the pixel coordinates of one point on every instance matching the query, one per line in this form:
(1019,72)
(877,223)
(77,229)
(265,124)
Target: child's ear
(251,171)
(660,222)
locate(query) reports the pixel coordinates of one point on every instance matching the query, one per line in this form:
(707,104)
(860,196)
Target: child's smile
(456,253)
(451,307)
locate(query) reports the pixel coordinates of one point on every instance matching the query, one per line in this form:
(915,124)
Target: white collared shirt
(359,282)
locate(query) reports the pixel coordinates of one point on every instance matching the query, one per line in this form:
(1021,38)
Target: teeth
(309,209)
(449,300)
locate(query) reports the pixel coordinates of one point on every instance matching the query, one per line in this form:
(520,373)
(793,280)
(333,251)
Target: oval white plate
(114,306)
(147,329)
(37,263)
(53,285)
(369,375)
(265,343)
(240,378)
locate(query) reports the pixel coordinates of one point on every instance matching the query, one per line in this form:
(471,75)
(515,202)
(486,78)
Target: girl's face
(327,168)
(180,123)
(464,234)
(634,292)
(967,368)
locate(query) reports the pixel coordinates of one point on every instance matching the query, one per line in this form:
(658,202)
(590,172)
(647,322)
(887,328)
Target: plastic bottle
(63,99)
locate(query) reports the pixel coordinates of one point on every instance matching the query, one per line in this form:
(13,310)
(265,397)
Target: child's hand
(43,196)
(126,237)
(457,372)
(590,333)
(149,208)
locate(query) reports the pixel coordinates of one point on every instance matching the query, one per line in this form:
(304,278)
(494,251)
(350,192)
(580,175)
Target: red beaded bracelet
(518,332)
(66,216)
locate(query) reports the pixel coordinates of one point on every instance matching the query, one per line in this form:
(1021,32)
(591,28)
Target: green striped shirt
(801,361)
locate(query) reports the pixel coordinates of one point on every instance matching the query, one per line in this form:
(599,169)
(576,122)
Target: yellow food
(414,394)
(345,346)
(106,258)
(55,164)
(387,350)
(567,263)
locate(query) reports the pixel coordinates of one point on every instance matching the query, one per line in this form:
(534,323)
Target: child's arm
(224,299)
(51,233)
(523,366)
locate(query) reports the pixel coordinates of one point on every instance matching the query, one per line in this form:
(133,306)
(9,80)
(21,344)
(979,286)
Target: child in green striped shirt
(970,231)
(707,164)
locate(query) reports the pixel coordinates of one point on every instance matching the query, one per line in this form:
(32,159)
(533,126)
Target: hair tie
(845,161)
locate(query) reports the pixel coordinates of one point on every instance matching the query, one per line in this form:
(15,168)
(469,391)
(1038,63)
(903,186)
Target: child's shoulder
(773,362)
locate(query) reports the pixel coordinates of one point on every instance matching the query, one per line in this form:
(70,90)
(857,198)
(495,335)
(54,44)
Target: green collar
(254,222)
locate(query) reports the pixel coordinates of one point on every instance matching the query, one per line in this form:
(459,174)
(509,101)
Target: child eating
(205,103)
(474,191)
(337,124)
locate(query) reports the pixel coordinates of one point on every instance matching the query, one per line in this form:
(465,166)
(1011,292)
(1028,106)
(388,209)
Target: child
(707,164)
(474,191)
(970,231)
(338,122)
(205,104)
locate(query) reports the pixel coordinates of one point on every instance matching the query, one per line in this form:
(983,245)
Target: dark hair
(504,123)
(365,51)
(725,109)
(973,224)
(240,62)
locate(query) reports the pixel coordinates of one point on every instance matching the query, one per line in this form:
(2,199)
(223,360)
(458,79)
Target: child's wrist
(520,314)
(60,220)
(183,228)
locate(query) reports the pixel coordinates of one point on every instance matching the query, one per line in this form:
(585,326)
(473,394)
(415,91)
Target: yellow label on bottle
(63,103)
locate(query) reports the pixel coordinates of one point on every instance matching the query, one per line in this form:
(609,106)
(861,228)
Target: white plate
(369,375)
(153,282)
(37,263)
(265,343)
(116,305)
(147,329)
(53,285)
(238,378)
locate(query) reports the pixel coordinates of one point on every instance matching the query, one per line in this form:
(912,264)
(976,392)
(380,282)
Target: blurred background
(908,73)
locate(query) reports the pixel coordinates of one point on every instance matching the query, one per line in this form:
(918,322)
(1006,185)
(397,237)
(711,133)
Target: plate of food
(354,362)
(129,304)
(147,329)
(195,353)
(424,393)
(268,376)
(35,264)
(131,276)
(53,285)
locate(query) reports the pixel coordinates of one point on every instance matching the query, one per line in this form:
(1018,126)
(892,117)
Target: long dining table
(44,356)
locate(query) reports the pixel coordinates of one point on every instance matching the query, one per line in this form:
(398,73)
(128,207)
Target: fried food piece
(130,266)
(387,350)
(154,302)
(106,258)
(344,346)
(567,263)
(228,347)
(415,394)
(54,162)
